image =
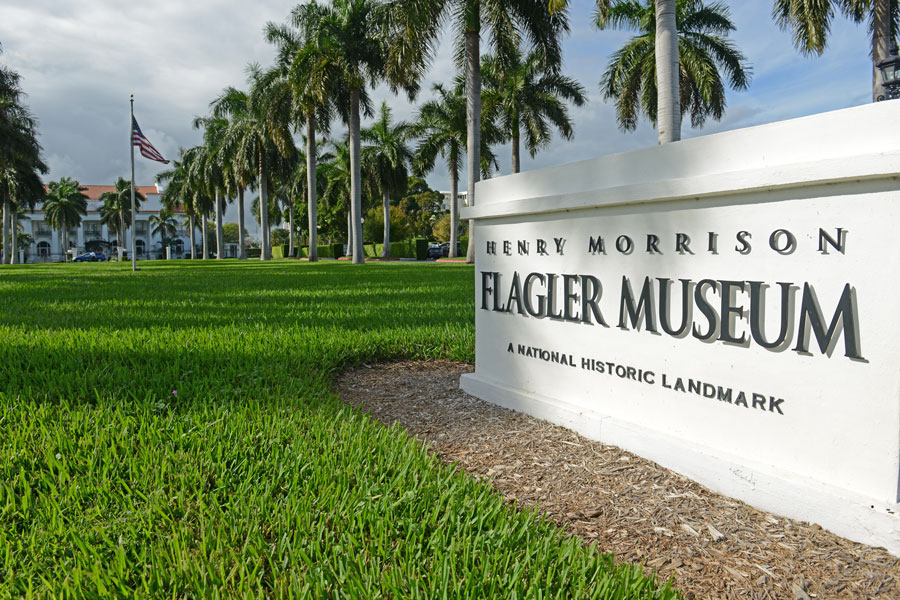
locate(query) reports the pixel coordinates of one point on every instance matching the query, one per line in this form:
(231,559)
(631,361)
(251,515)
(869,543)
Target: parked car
(435,251)
(445,249)
(90,257)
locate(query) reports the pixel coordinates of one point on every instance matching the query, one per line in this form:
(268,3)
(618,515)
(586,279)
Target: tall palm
(441,128)
(706,54)
(202,203)
(523,94)
(338,192)
(27,194)
(213,164)
(115,210)
(669,106)
(317,84)
(417,25)
(273,216)
(64,205)
(177,194)
(20,155)
(258,139)
(810,25)
(299,184)
(352,35)
(668,98)
(19,214)
(20,189)
(385,162)
(164,225)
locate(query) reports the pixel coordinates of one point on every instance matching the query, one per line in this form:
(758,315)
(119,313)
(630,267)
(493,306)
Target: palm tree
(441,128)
(316,85)
(64,205)
(337,194)
(417,25)
(522,93)
(258,138)
(177,194)
(194,160)
(164,225)
(668,72)
(20,189)
(20,155)
(273,216)
(299,183)
(115,210)
(668,99)
(810,24)
(213,170)
(352,35)
(706,53)
(385,162)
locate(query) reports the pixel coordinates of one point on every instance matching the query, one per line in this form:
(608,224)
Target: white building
(93,235)
(462,197)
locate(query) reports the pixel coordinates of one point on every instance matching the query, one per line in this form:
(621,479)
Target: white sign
(727,306)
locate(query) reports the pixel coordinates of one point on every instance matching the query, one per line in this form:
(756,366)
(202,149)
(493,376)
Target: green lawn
(172,433)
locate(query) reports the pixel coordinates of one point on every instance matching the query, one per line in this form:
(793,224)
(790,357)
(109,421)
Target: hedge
(254,252)
(416,248)
(327,251)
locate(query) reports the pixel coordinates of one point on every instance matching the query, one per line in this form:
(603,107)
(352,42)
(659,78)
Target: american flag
(147,149)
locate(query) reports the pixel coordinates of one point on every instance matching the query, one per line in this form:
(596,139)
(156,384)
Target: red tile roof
(93,192)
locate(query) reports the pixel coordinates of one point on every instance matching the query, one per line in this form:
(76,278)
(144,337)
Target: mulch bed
(711,545)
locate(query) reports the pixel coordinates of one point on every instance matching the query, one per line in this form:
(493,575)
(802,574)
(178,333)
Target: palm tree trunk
(263,208)
(349,232)
(14,242)
(473,130)
(203,219)
(881,41)
(355,175)
(120,235)
(64,242)
(515,146)
(4,249)
(454,206)
(668,107)
(386,251)
(311,199)
(291,229)
(220,234)
(193,226)
(242,254)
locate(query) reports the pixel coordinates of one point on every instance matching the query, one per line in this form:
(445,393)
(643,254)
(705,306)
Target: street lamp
(890,75)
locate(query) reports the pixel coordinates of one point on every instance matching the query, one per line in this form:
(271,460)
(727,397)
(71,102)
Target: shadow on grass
(220,331)
(214,294)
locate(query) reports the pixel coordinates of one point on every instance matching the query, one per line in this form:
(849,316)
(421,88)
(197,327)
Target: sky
(80,60)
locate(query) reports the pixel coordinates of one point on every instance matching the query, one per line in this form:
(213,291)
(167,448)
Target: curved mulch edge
(713,546)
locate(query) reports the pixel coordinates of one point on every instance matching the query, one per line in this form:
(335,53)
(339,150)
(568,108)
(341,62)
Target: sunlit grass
(172,433)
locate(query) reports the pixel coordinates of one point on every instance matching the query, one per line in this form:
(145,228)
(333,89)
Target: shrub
(280,237)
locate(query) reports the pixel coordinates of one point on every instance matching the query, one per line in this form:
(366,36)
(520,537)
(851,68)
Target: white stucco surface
(821,442)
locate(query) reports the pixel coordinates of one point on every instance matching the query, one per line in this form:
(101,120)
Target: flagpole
(133,210)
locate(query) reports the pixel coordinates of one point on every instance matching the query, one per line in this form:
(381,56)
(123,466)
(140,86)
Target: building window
(92,228)
(140,247)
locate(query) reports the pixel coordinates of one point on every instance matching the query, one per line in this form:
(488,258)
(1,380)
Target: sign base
(854,517)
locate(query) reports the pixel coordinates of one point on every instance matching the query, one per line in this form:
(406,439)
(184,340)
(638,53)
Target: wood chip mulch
(713,546)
